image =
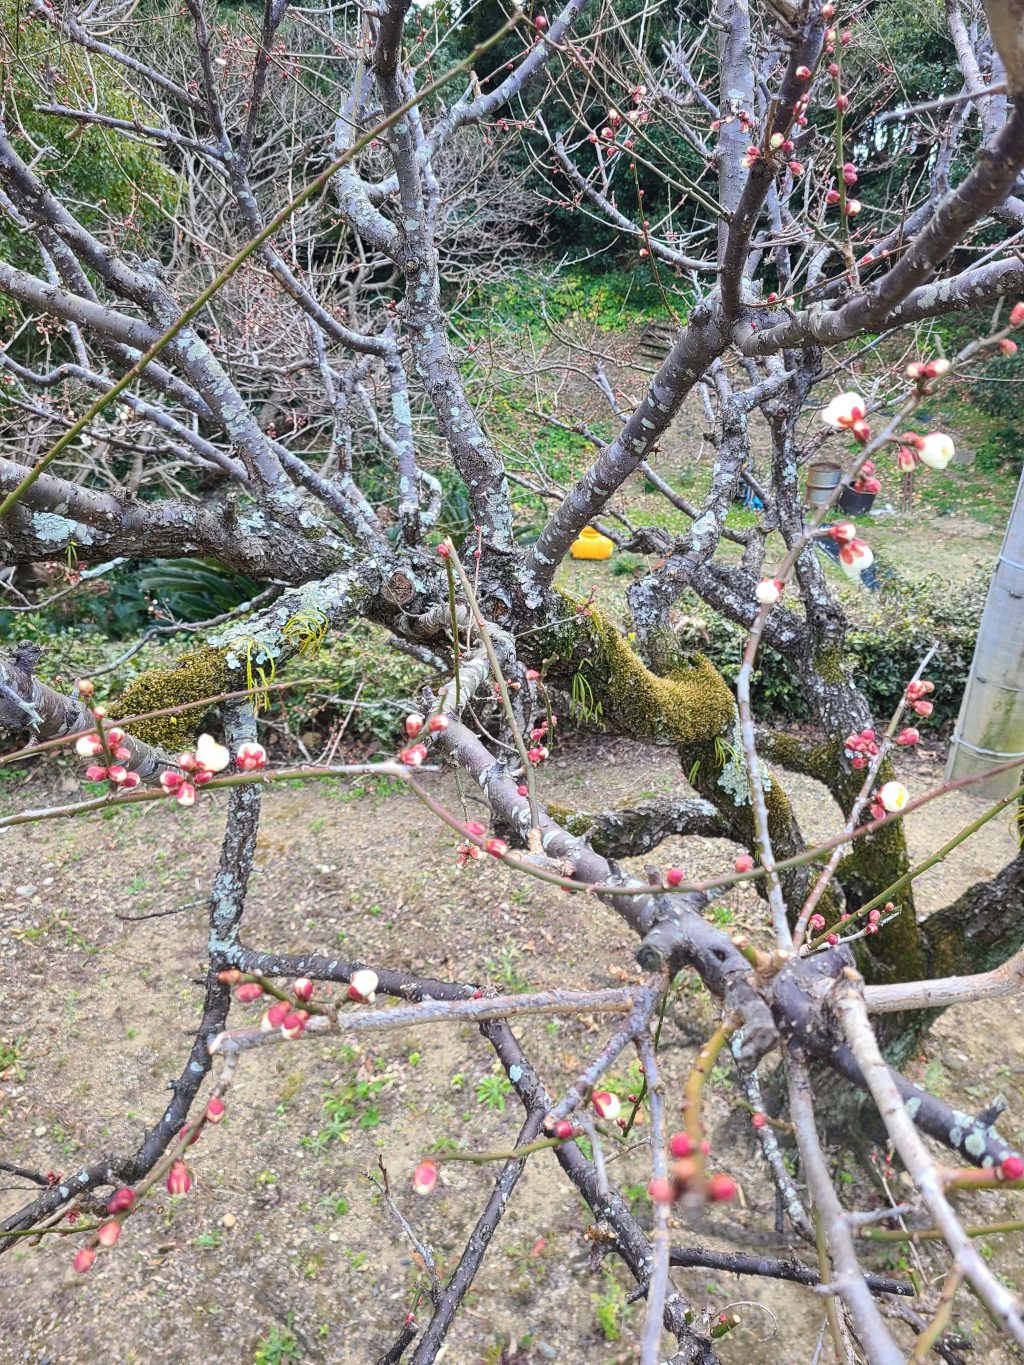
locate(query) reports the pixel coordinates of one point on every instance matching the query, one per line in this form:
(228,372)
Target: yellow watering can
(591,545)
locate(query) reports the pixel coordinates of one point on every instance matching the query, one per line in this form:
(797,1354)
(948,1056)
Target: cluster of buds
(413,756)
(538,753)
(197,769)
(114,756)
(934,450)
(854,555)
(860,747)
(890,798)
(742,117)
(686,1176)
(917,693)
(865,482)
(908,736)
(846,412)
(922,371)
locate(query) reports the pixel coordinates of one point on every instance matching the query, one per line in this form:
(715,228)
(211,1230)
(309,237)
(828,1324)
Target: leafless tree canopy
(205,368)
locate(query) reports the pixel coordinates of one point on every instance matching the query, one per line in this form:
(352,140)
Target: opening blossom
(936,450)
(844,411)
(893,796)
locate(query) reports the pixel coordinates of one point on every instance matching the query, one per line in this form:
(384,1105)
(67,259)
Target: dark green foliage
(885,644)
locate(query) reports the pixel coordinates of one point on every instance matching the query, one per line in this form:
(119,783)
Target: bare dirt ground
(282,1251)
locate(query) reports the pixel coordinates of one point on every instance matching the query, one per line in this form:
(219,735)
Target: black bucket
(854,503)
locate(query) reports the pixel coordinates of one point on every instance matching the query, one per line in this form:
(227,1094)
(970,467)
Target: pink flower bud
(424,1178)
(833,69)
(99,712)
(923,708)
(115,736)
(171,781)
(85,687)
(674,876)
(443,550)
(215,1110)
(117,774)
(437,723)
(108,1233)
(540,23)
(88,746)
(845,38)
(661,1191)
(121,1200)
(83,1262)
(680,1145)
(178,1179)
(606,1105)
(186,794)
(413,724)
(803,73)
(302,988)
(862,432)
(475,828)
(275,1016)
(744,863)
(842,103)
(129,782)
(292,1025)
(564,1129)
(908,736)
(853,207)
(496,847)
(414,755)
(537,754)
(248,991)
(828,11)
(721,1188)
(363,986)
(832,940)
(1016,318)
(1007,346)
(768,591)
(523,790)
(817,923)
(832,197)
(796,168)
(1012,1168)
(849,173)
(95,773)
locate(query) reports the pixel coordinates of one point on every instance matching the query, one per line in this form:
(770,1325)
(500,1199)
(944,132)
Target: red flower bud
(674,876)
(842,102)
(923,708)
(817,923)
(84,1260)
(833,69)
(95,772)
(758,1120)
(214,1110)
(908,736)
(1012,1168)
(302,988)
(540,23)
(803,73)
(121,1200)
(496,847)
(413,756)
(248,991)
(437,723)
(744,863)
(1016,318)
(443,551)
(1007,346)
(679,1144)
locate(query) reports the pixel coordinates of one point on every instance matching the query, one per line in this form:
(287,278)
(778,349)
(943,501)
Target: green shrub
(890,634)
